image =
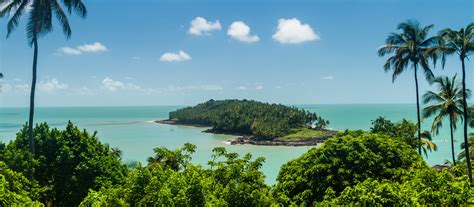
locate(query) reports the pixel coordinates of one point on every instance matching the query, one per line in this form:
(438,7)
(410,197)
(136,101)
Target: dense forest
(248,117)
(72,167)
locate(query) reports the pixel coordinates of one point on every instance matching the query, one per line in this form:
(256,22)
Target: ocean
(132,130)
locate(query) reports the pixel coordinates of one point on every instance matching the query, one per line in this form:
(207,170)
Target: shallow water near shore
(133,131)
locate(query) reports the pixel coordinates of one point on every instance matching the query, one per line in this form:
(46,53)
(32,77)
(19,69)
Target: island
(255,122)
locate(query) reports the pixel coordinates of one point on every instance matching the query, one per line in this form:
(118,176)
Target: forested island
(255,122)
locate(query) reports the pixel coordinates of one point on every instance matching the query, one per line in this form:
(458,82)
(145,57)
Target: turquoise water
(132,130)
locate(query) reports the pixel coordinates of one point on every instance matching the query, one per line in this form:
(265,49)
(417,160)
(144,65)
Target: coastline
(242,139)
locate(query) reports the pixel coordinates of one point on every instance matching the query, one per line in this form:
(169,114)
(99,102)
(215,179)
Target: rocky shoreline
(282,142)
(253,140)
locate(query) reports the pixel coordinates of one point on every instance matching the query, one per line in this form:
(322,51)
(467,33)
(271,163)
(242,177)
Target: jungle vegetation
(248,117)
(72,167)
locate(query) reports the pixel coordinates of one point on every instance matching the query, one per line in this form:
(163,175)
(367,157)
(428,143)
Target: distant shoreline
(242,139)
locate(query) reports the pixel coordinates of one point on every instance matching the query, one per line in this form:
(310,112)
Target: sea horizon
(131,129)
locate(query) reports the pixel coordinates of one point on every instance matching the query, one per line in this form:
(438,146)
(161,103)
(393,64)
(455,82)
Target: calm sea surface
(133,131)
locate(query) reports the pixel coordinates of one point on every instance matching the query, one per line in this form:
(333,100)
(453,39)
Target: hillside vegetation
(248,117)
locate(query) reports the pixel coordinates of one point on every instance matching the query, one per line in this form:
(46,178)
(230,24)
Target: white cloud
(240,31)
(278,87)
(175,57)
(242,88)
(86,48)
(69,51)
(115,85)
(330,77)
(200,26)
(112,85)
(51,86)
(259,87)
(93,48)
(136,58)
(291,31)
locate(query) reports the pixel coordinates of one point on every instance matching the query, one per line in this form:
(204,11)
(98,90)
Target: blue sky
(293,52)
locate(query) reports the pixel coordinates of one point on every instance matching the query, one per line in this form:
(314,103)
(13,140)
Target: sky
(149,52)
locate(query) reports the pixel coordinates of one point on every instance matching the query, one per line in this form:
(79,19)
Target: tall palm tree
(446,103)
(39,23)
(460,43)
(409,50)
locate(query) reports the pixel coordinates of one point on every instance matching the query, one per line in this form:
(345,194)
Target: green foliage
(421,187)
(230,181)
(15,189)
(306,133)
(247,117)
(67,163)
(344,161)
(462,154)
(404,130)
(176,159)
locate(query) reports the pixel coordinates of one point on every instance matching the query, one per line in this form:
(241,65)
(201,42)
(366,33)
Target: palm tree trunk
(464,103)
(452,138)
(418,110)
(32,97)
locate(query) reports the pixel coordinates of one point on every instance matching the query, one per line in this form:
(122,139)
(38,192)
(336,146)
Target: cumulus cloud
(112,85)
(292,31)
(115,85)
(69,51)
(51,86)
(175,57)
(330,77)
(240,31)
(200,26)
(259,87)
(95,47)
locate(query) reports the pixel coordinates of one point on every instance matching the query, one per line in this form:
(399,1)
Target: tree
(460,43)
(404,130)
(446,103)
(410,47)
(67,163)
(462,155)
(342,161)
(39,24)
(231,180)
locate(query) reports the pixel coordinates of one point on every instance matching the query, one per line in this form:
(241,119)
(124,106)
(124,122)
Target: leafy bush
(67,163)
(422,187)
(343,161)
(230,181)
(15,189)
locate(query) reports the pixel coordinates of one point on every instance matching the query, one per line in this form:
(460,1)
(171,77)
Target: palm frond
(62,18)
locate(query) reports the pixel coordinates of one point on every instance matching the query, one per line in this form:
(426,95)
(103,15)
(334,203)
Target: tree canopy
(247,117)
(67,163)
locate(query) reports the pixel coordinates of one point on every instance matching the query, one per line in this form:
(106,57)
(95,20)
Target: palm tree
(409,48)
(460,43)
(39,23)
(447,103)
(427,143)
(462,155)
